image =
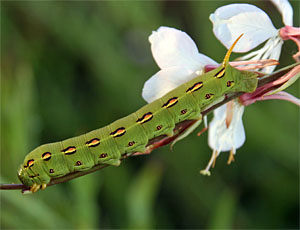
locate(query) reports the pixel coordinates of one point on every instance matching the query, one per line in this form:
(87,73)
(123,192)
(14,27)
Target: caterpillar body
(132,133)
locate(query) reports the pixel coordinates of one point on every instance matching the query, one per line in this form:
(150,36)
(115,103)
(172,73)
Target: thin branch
(160,141)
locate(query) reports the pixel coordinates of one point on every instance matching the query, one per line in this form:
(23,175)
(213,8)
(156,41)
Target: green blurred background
(71,67)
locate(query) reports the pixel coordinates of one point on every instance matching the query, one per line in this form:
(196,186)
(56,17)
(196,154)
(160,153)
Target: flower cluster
(180,61)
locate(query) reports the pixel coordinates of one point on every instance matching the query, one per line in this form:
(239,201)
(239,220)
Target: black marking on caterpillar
(171,102)
(51,171)
(103,155)
(220,74)
(208,95)
(229,83)
(78,163)
(118,132)
(30,163)
(46,156)
(33,176)
(183,111)
(69,150)
(93,143)
(131,143)
(146,117)
(159,127)
(195,87)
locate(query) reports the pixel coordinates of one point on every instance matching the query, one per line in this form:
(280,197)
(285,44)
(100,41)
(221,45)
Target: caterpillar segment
(77,155)
(102,146)
(155,120)
(132,133)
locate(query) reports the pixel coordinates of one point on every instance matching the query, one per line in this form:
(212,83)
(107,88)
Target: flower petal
(171,47)
(166,80)
(286,10)
(221,138)
(282,96)
(274,53)
(232,20)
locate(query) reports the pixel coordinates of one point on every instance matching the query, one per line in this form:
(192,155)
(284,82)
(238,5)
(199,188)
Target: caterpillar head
(31,171)
(24,176)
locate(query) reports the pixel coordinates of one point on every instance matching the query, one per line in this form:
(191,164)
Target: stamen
(212,160)
(215,159)
(231,157)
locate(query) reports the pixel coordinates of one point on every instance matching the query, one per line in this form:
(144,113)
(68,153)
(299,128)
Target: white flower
(178,57)
(231,20)
(226,132)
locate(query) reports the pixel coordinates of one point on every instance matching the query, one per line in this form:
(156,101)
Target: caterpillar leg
(114,162)
(36,187)
(187,131)
(44,186)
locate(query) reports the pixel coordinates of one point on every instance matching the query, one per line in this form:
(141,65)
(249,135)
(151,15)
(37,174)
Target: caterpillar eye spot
(103,155)
(195,87)
(131,143)
(171,102)
(146,117)
(30,163)
(159,127)
(51,171)
(220,74)
(183,111)
(78,163)
(93,143)
(46,156)
(118,132)
(70,150)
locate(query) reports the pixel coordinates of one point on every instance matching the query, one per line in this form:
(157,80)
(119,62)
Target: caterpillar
(132,133)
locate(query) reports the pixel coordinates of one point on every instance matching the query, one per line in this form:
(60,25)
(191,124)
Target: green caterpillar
(132,133)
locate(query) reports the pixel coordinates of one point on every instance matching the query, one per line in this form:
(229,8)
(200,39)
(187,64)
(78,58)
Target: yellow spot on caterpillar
(220,74)
(46,156)
(30,163)
(195,87)
(70,150)
(208,96)
(171,102)
(230,83)
(146,117)
(93,143)
(118,132)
